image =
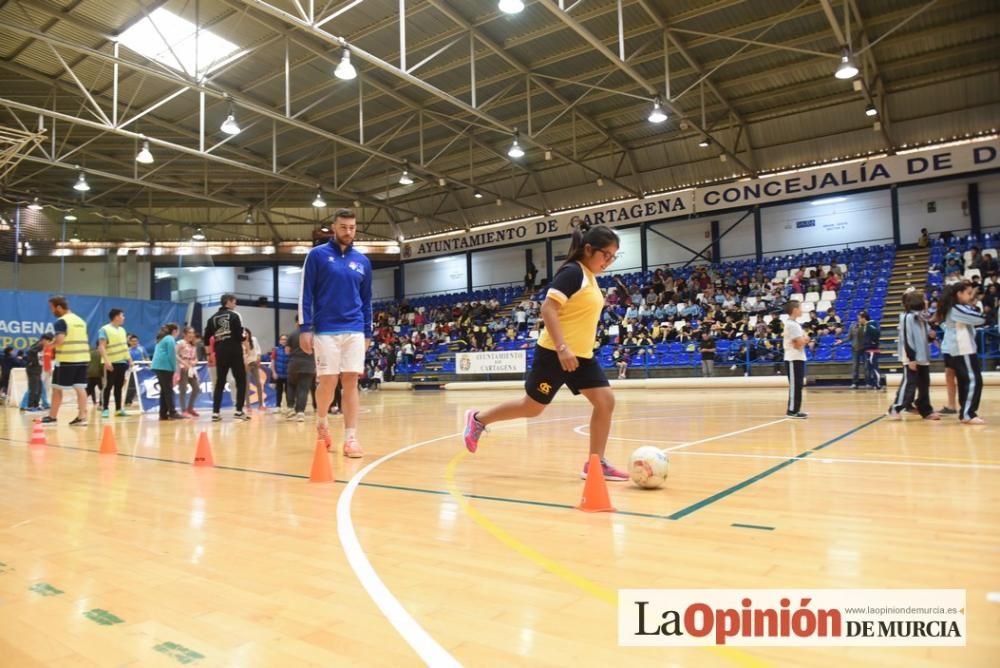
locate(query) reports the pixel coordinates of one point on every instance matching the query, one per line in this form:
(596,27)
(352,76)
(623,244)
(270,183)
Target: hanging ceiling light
(705,142)
(324,228)
(657,115)
(319,202)
(35,205)
(870,110)
(230,126)
(405,179)
(515,150)
(345,70)
(69,218)
(198,235)
(81,183)
(4,225)
(249,217)
(145,156)
(74,238)
(477,194)
(847,69)
(511,6)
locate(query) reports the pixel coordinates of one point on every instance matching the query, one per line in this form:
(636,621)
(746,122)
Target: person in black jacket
(872,343)
(226,326)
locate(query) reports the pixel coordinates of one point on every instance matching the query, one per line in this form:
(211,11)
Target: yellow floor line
(609,596)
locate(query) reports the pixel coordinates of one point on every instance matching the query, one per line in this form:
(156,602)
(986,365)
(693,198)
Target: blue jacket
(280,361)
(873,336)
(336,295)
(165,355)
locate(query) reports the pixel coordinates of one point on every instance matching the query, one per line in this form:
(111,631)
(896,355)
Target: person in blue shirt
(165,365)
(335,322)
(137,354)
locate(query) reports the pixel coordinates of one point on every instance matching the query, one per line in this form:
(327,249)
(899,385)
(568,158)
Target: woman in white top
(251,360)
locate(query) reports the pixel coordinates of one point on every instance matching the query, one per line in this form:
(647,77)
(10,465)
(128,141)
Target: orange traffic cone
(321,464)
(595,491)
(108,446)
(203,454)
(37,433)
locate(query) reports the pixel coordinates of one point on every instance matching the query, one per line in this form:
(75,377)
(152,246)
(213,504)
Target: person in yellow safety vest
(72,357)
(112,341)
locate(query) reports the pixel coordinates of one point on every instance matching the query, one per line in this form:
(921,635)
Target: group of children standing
(958,316)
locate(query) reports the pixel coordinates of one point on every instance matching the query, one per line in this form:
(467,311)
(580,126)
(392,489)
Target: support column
(974,219)
(275,277)
(894,204)
(643,248)
(548,259)
(468,272)
(758,239)
(716,245)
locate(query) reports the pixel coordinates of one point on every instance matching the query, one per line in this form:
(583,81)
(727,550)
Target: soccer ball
(648,467)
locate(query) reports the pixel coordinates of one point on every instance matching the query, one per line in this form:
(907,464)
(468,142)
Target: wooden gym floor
(141,559)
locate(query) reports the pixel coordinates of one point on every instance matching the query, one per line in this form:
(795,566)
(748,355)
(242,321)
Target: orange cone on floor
(203,454)
(595,497)
(321,471)
(37,433)
(108,446)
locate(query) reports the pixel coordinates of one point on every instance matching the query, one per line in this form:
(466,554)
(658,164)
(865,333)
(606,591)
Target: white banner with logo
(791,617)
(499,361)
(933,162)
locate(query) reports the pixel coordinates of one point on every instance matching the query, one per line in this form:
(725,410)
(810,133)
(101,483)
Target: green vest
(117,346)
(75,347)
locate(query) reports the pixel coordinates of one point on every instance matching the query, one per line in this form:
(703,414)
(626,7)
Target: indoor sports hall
(517,333)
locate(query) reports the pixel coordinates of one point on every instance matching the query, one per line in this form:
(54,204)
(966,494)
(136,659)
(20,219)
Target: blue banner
(25,316)
(148,390)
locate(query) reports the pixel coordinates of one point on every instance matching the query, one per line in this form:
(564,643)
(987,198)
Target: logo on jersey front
(356,267)
(545,388)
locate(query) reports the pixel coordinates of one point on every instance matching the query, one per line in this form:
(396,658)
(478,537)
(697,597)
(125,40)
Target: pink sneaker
(193,413)
(323,434)
(610,472)
(893,416)
(352,449)
(474,429)
(975,420)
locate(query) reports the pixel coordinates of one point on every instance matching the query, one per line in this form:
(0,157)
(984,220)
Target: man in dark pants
(226,326)
(856,335)
(872,344)
(33,368)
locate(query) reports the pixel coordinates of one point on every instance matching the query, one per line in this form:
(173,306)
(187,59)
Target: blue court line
(684,512)
(752,526)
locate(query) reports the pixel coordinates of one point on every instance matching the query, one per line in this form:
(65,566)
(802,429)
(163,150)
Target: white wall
(989,202)
(260,320)
(442,274)
(695,234)
(80,278)
(383,284)
(950,199)
(502,265)
(838,221)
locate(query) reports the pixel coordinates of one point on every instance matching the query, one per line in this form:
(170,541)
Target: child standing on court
(957,312)
(795,358)
(915,356)
(565,351)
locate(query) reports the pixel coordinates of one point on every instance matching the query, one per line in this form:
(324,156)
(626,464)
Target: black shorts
(70,374)
(547,376)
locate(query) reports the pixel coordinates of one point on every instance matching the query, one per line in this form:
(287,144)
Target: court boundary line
(718,496)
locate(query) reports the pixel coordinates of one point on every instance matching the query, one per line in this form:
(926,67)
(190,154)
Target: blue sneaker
(473,430)
(121,413)
(105,413)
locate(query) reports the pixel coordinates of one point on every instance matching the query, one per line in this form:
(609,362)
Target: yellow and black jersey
(580,305)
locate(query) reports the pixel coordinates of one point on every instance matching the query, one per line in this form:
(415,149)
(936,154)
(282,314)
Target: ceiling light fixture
(74,238)
(345,70)
(145,156)
(249,217)
(511,6)
(81,183)
(230,126)
(405,179)
(870,110)
(69,218)
(318,201)
(477,194)
(847,69)
(705,142)
(35,205)
(515,150)
(657,115)
(198,235)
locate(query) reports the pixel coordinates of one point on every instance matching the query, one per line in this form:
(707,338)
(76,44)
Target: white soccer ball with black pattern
(648,467)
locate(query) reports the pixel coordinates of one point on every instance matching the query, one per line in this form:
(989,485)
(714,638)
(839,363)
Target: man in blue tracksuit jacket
(335,323)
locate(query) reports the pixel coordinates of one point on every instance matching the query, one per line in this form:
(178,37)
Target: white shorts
(339,353)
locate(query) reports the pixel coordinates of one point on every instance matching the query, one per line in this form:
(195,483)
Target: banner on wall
(148,390)
(500,361)
(933,162)
(25,316)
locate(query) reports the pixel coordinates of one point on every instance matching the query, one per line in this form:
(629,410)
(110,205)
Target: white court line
(422,643)
(683,444)
(828,460)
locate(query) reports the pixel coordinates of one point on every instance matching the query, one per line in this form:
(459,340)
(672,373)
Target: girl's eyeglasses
(608,257)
